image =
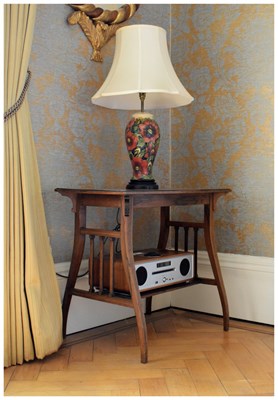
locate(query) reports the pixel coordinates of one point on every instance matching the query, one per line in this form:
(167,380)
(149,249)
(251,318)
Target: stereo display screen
(163,264)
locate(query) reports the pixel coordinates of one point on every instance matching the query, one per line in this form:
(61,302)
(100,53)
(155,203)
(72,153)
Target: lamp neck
(142,97)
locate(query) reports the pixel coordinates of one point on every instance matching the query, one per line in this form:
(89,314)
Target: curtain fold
(32,307)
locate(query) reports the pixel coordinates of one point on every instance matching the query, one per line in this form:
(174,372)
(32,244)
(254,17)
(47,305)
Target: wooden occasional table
(127,201)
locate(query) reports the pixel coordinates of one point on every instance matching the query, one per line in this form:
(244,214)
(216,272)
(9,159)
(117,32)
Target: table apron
(100,200)
(170,200)
(144,201)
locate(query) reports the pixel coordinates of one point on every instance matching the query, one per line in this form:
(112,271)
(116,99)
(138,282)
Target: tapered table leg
(149,305)
(162,243)
(164,227)
(211,249)
(77,254)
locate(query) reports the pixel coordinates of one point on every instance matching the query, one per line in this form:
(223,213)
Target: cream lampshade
(142,72)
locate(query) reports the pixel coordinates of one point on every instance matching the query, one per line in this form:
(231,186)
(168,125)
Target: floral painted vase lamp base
(142,140)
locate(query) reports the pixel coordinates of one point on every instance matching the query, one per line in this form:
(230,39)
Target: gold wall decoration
(99,24)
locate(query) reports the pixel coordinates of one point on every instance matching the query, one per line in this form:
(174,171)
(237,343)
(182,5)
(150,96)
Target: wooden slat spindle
(186,229)
(177,238)
(111,266)
(91,263)
(101,263)
(195,252)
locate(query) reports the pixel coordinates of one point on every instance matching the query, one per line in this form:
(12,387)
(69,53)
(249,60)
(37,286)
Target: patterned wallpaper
(224,56)
(77,146)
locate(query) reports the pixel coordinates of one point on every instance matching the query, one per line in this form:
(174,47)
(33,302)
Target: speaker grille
(142,275)
(184,267)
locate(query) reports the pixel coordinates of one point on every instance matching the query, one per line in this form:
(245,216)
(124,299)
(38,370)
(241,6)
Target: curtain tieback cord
(13,110)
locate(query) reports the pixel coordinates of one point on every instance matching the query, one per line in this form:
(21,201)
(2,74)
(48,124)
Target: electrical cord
(116,228)
(66,276)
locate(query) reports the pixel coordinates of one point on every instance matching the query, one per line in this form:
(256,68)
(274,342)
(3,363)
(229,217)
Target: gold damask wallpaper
(223,54)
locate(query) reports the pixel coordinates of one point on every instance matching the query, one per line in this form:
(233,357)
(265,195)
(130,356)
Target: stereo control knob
(164,279)
(184,267)
(142,275)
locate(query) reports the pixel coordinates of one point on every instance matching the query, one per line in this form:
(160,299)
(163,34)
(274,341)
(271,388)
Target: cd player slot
(162,272)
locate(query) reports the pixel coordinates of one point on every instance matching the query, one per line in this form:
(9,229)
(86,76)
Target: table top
(129,192)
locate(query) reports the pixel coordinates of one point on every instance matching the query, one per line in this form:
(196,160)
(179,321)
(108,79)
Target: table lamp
(142,74)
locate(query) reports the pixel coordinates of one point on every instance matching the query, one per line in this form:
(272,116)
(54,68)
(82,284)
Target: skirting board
(249,283)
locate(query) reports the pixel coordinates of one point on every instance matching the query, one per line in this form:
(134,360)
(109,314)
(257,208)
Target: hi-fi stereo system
(164,270)
(154,269)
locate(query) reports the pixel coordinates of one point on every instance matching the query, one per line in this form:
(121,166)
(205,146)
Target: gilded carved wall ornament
(98,24)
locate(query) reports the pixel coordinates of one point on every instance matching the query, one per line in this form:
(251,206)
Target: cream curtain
(32,308)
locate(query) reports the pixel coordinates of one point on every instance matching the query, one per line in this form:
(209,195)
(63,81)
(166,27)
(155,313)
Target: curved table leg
(77,254)
(128,264)
(162,243)
(211,249)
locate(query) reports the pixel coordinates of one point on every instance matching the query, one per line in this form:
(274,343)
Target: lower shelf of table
(124,299)
(106,297)
(156,291)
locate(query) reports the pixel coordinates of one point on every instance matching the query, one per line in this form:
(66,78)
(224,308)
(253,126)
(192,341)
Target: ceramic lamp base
(142,140)
(142,184)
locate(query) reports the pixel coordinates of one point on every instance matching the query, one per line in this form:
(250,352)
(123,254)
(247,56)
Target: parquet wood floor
(188,356)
